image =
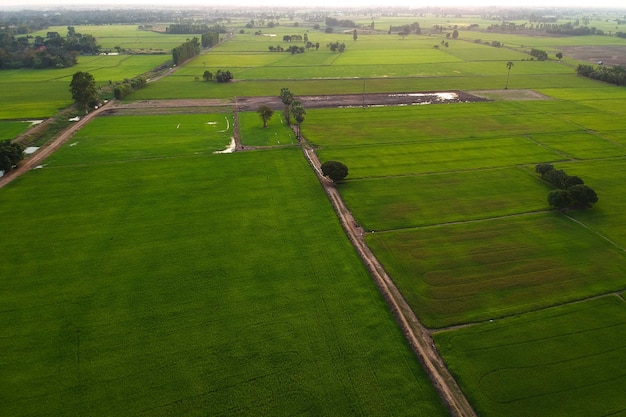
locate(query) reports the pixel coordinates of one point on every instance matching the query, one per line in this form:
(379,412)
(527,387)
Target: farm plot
(41,93)
(174,281)
(476,271)
(252,133)
(122,138)
(422,200)
(565,361)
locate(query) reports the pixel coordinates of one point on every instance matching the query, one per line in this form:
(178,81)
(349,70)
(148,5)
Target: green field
(156,278)
(564,361)
(174,281)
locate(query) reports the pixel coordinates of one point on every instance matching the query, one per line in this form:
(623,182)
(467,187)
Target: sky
(317,3)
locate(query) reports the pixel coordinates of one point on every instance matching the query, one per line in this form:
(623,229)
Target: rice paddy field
(151,276)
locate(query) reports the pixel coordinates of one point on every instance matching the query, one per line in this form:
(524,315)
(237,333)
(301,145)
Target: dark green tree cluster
(407,29)
(331,21)
(126,87)
(223,76)
(186,51)
(210,39)
(539,54)
(571,191)
(609,74)
(53,51)
(334,170)
(10,155)
(187,28)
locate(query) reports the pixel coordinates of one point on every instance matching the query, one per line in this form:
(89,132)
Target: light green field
(564,361)
(252,133)
(31,94)
(186,290)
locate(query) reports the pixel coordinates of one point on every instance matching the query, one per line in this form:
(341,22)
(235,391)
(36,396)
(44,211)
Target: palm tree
(509,65)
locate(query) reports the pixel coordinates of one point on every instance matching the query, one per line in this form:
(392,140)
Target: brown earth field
(608,55)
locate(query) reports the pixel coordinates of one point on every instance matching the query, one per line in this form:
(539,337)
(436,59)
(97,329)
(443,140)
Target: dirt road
(416,334)
(45,151)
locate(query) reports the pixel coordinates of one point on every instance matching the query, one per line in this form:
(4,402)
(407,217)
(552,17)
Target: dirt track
(417,335)
(47,150)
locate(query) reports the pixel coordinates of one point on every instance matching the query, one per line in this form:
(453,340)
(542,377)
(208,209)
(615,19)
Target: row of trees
(126,87)
(10,155)
(571,191)
(193,28)
(209,39)
(186,51)
(610,74)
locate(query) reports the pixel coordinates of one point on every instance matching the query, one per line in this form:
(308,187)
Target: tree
(298,112)
(455,34)
(557,177)
(223,76)
(355,36)
(286,96)
(559,55)
(334,170)
(583,195)
(10,154)
(560,199)
(265,113)
(83,89)
(543,169)
(509,65)
(207,76)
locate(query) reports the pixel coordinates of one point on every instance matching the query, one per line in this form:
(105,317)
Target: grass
(196,282)
(422,200)
(475,271)
(222,282)
(557,362)
(11,129)
(252,133)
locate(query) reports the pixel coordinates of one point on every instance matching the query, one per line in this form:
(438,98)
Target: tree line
(193,28)
(610,74)
(209,39)
(571,191)
(186,51)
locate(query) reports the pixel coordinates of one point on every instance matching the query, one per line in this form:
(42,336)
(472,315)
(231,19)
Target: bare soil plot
(609,55)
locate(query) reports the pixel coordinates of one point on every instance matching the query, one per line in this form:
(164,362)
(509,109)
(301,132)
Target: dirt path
(46,150)
(416,334)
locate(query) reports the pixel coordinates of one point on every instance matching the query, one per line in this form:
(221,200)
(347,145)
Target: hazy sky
(318,3)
